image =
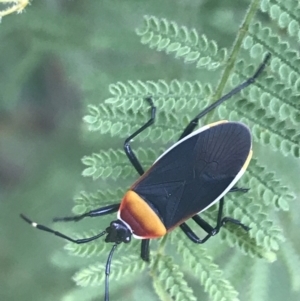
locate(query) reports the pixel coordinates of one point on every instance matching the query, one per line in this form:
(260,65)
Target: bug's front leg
(93,213)
(193,123)
(127,148)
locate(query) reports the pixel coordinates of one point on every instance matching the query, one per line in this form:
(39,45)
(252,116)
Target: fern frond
(250,243)
(263,230)
(266,187)
(114,164)
(247,245)
(127,110)
(106,119)
(118,122)
(87,250)
(265,129)
(117,115)
(167,36)
(210,276)
(287,59)
(94,275)
(100,165)
(277,100)
(88,201)
(132,94)
(286,13)
(168,280)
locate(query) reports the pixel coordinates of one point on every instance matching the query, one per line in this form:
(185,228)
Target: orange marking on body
(143,221)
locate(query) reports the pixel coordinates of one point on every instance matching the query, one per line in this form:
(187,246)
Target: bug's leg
(191,126)
(145,253)
(127,148)
(211,231)
(93,213)
(192,236)
(234,221)
(239,189)
(221,221)
(59,234)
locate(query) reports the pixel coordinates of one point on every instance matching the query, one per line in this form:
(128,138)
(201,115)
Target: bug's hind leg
(127,148)
(191,126)
(210,230)
(227,219)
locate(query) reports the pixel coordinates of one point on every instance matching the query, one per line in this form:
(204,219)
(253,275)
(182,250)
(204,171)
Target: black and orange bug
(189,177)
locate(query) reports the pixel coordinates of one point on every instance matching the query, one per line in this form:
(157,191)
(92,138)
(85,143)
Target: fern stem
(236,48)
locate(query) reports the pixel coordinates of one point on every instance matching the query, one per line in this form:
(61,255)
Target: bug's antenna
(107,271)
(59,234)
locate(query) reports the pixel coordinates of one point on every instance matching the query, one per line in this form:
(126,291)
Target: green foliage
(269,107)
(114,163)
(210,276)
(204,70)
(285,13)
(94,275)
(168,280)
(119,115)
(162,35)
(88,201)
(268,188)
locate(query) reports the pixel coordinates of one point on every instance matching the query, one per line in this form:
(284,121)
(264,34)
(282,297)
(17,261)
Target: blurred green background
(51,58)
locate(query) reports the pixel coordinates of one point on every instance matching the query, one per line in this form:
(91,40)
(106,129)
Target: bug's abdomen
(140,217)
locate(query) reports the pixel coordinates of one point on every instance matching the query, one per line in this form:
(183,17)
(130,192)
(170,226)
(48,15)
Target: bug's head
(118,232)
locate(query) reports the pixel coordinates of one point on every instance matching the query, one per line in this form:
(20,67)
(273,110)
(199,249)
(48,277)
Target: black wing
(194,173)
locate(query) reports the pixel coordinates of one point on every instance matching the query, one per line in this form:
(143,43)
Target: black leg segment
(93,213)
(191,126)
(211,231)
(127,148)
(145,253)
(226,220)
(239,189)
(191,234)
